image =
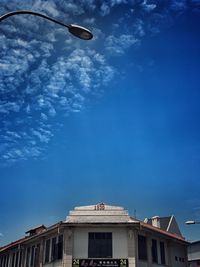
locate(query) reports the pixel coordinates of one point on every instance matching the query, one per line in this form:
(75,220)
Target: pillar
(68,247)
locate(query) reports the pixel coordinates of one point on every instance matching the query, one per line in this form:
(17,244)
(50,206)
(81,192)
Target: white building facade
(194,254)
(97,236)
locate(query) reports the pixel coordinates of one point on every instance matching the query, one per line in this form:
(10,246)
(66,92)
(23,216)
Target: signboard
(100,263)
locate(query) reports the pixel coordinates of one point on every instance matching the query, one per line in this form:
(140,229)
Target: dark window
(162,252)
(13,260)
(60,247)
(142,247)
(57,248)
(28,256)
(20,258)
(53,249)
(2,261)
(47,250)
(154,251)
(37,256)
(176,258)
(100,245)
(32,255)
(6,258)
(16,260)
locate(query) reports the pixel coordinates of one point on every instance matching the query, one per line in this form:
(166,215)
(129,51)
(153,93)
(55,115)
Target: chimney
(156,221)
(37,230)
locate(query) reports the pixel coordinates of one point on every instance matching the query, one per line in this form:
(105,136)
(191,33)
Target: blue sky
(114,119)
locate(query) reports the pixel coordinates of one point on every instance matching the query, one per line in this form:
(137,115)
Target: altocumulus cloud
(47,75)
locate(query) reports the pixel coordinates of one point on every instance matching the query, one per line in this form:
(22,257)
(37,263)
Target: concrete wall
(54,264)
(178,255)
(143,264)
(194,251)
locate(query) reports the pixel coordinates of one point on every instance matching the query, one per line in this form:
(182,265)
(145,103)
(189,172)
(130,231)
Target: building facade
(97,236)
(194,254)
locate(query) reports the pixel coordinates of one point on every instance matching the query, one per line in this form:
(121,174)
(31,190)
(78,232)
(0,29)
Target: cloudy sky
(114,119)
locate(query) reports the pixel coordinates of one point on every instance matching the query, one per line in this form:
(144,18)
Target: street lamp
(74,29)
(192,222)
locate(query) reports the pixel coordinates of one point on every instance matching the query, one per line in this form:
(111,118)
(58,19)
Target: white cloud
(89,21)
(9,106)
(104,9)
(117,2)
(138,28)
(118,45)
(148,7)
(179,5)
(71,7)
(48,7)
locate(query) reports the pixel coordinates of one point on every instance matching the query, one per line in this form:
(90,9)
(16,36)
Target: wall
(54,264)
(194,251)
(178,254)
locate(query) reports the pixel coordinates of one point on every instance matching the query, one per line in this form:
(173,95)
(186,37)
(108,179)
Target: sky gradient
(114,119)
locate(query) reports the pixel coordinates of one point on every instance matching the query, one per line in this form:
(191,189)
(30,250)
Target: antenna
(135,213)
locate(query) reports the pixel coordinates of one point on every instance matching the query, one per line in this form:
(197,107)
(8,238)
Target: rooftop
(100,213)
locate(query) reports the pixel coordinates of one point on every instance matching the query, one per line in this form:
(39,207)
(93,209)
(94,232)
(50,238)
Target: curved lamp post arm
(76,30)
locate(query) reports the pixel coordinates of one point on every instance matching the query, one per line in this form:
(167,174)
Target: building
(168,224)
(194,254)
(97,236)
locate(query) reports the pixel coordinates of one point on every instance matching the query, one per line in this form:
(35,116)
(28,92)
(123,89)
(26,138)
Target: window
(20,258)
(7,260)
(32,255)
(142,247)
(37,255)
(28,256)
(13,260)
(17,257)
(154,251)
(181,259)
(57,248)
(162,252)
(4,260)
(60,247)
(54,249)
(99,245)
(47,251)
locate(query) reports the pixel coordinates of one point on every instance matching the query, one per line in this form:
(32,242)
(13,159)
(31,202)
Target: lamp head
(190,222)
(80,32)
